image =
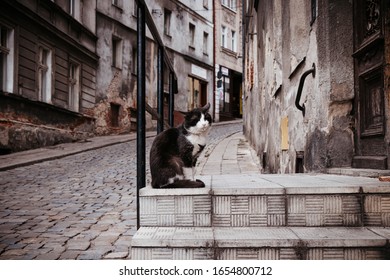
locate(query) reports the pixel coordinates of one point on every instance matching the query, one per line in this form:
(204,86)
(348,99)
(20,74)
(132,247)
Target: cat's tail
(180,184)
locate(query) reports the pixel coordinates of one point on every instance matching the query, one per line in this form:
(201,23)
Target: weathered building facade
(48,67)
(186,28)
(228,59)
(317,84)
(116,29)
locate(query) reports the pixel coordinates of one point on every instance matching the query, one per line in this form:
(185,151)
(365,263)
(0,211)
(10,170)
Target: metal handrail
(300,88)
(143,18)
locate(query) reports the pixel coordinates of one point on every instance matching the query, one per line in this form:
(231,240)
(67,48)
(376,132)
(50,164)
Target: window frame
(74,89)
(234,41)
(134,69)
(167,22)
(117,52)
(45,73)
(230,4)
(75,9)
(192,31)
(117,3)
(313,11)
(205,43)
(223,36)
(7,51)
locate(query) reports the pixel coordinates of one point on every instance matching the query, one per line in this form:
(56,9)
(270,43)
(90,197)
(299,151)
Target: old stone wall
(289,40)
(27,124)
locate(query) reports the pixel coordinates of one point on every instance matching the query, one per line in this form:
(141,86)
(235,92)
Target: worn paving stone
(80,245)
(117,255)
(49,256)
(70,255)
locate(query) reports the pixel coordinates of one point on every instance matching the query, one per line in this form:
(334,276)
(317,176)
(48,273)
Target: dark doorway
(230,99)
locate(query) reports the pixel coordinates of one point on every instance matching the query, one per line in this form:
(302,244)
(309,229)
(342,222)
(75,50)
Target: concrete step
(260,200)
(277,243)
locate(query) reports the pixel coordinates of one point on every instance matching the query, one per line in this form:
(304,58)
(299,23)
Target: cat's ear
(206,107)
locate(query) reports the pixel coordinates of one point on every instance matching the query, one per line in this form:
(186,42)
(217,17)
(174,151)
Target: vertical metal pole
(160,89)
(141,41)
(171,98)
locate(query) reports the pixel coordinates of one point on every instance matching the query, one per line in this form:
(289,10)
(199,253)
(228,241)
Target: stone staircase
(258,216)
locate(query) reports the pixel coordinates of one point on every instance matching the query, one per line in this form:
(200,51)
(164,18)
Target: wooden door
(370,110)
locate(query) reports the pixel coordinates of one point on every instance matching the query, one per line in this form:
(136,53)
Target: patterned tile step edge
(261,243)
(277,184)
(204,208)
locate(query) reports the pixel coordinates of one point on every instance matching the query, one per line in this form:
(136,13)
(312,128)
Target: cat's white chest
(197,140)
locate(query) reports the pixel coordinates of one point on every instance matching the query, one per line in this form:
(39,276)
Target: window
(231,4)
(74,9)
(44,74)
(134,66)
(118,3)
(167,22)
(6,59)
(116,52)
(135,8)
(223,37)
(313,11)
(74,86)
(234,41)
(192,35)
(205,42)
(115,109)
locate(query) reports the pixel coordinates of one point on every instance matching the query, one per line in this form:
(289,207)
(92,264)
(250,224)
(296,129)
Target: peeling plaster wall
(286,45)
(117,84)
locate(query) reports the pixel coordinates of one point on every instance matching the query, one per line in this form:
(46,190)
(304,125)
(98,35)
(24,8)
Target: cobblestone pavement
(77,207)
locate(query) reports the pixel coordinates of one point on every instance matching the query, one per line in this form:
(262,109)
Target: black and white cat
(174,152)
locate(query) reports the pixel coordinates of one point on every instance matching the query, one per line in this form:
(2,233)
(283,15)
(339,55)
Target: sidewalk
(232,155)
(62,150)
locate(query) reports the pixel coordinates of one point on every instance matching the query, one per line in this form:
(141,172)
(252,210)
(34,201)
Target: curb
(30,157)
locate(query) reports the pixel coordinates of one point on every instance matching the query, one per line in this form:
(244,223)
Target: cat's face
(198,121)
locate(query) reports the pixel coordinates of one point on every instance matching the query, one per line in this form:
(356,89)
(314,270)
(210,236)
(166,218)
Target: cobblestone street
(77,207)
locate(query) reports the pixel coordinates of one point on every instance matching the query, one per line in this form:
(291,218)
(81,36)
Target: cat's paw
(201,184)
